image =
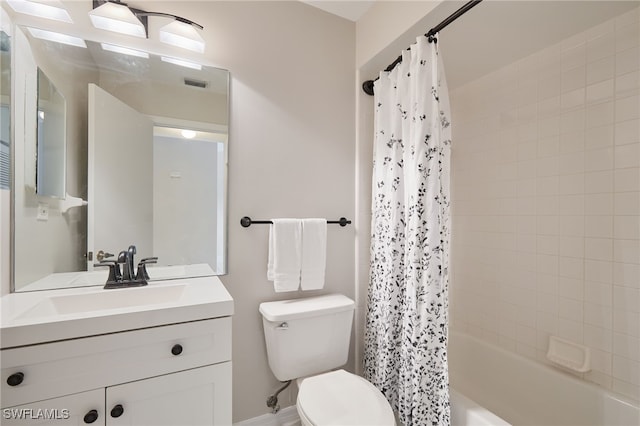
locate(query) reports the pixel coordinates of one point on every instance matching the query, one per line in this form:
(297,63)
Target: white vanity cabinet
(178,374)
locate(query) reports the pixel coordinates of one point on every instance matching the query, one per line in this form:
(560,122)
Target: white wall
(546,210)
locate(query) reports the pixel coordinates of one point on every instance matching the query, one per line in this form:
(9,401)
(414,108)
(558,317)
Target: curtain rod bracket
(367,86)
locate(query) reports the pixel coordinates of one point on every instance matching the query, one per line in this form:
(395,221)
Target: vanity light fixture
(114,15)
(183,34)
(181,62)
(117,17)
(57,37)
(124,50)
(51,9)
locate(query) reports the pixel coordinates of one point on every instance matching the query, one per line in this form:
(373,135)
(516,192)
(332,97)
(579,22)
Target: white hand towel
(285,254)
(314,253)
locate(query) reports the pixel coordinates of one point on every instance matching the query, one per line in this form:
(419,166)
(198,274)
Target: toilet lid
(342,398)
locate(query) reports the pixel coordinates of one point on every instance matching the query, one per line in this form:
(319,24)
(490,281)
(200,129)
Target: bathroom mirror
(145,163)
(50,140)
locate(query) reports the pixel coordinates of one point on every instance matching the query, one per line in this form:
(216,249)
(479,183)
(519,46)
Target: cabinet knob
(15,379)
(176,349)
(117,411)
(91,416)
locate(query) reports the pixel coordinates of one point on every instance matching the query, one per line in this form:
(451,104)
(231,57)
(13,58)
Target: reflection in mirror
(5,109)
(186,164)
(50,157)
(144,182)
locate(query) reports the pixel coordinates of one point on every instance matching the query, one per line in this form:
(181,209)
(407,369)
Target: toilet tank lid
(285,310)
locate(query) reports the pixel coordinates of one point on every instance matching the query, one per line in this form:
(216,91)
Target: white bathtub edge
(466,412)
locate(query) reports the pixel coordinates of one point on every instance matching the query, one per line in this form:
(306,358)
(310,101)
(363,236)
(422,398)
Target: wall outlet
(43,212)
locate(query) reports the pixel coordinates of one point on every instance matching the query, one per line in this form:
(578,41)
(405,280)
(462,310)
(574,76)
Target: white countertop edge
(217,303)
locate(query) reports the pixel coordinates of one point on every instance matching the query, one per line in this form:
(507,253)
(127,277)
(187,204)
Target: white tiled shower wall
(546,202)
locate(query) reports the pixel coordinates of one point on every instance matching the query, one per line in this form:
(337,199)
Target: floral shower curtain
(406,325)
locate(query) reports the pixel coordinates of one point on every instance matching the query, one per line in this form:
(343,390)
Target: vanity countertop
(50,315)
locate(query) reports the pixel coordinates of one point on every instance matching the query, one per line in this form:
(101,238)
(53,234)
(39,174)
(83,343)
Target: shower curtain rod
(367,86)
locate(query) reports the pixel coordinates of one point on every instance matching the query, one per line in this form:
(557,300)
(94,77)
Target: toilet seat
(342,398)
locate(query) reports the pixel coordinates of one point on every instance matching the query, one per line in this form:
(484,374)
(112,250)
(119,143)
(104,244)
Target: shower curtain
(405,352)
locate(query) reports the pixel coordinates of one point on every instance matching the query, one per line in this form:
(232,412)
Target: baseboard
(288,416)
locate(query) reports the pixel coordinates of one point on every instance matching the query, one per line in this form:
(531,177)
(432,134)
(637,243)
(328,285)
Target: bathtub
(494,382)
(466,412)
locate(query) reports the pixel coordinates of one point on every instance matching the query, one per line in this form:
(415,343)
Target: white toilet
(306,338)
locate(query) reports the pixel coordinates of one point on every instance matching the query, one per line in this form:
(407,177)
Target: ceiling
(351,10)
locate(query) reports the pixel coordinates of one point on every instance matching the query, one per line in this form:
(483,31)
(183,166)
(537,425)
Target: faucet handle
(142,268)
(114,270)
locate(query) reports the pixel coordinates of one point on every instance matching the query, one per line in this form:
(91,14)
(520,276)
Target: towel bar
(247,222)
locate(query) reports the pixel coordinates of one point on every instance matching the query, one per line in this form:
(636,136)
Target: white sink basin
(104,300)
(51,315)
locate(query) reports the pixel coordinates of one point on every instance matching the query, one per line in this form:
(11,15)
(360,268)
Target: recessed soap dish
(568,354)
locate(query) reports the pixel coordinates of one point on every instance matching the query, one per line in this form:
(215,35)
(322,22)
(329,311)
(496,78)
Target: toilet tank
(307,336)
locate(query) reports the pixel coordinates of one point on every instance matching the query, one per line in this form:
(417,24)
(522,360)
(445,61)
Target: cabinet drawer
(72,366)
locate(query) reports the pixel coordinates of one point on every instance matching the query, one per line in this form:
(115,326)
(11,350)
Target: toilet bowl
(342,398)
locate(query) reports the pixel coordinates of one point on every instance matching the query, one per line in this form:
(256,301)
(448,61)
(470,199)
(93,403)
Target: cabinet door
(78,409)
(201,396)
